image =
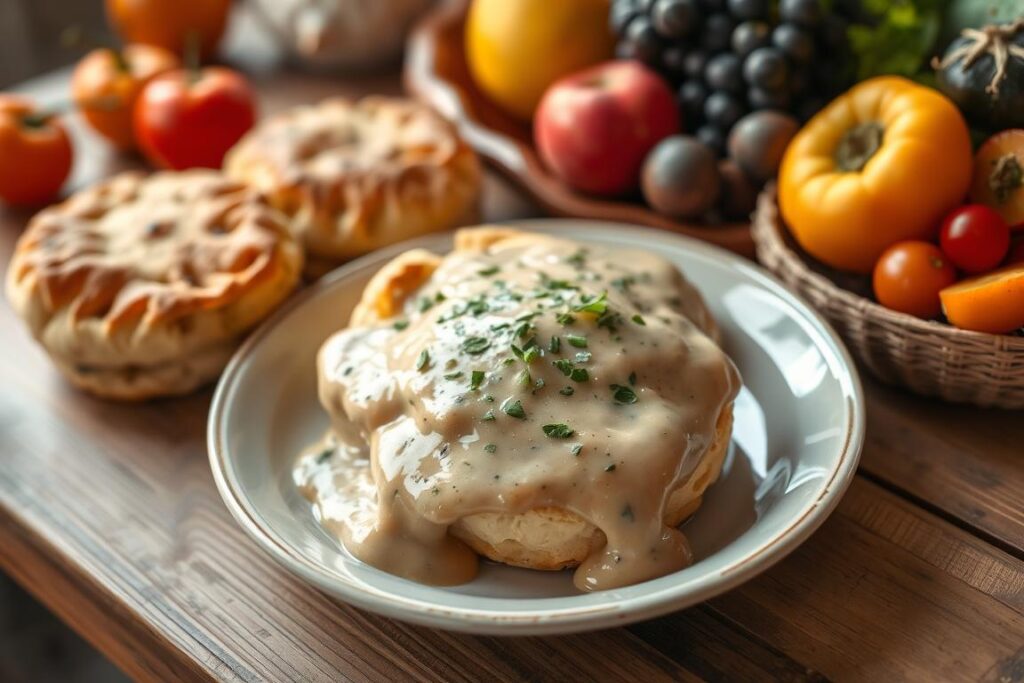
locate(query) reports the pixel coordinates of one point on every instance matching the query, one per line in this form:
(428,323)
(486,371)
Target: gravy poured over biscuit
(537,373)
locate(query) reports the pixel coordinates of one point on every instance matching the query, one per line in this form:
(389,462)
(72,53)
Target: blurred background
(30,33)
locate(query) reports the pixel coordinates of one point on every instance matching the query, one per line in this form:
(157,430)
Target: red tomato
(189,118)
(909,276)
(975,238)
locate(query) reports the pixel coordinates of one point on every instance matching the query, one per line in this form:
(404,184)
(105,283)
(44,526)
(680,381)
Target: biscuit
(356,176)
(549,538)
(142,286)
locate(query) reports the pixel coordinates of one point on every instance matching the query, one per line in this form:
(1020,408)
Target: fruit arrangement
(138,97)
(885,182)
(685,106)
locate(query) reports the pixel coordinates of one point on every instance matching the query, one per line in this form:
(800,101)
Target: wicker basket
(928,357)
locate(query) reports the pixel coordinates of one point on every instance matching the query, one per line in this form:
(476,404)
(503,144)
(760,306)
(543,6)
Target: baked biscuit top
(143,251)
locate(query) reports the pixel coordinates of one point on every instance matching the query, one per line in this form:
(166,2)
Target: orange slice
(993,302)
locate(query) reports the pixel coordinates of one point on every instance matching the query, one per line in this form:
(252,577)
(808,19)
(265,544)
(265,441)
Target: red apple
(594,128)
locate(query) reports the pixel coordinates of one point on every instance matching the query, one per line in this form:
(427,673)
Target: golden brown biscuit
(142,286)
(356,176)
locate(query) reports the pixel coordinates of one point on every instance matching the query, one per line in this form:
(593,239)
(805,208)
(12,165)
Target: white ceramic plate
(799,427)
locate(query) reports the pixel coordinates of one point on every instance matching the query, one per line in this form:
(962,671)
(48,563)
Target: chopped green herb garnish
(583,356)
(423,361)
(425,304)
(566,391)
(487,398)
(530,353)
(565,318)
(518,352)
(576,448)
(453,375)
(488,416)
(508,361)
(558,431)
(622,394)
(524,329)
(324,455)
(487,272)
(579,375)
(538,384)
(555,345)
(400,325)
(610,320)
(609,468)
(490,448)
(627,513)
(564,365)
(476,345)
(498,327)
(439,297)
(513,408)
(592,304)
(523,379)
(638,319)
(632,379)
(577,258)
(476,379)
(576,340)
(623,283)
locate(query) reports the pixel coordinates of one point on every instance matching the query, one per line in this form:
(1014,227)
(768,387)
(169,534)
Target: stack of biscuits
(143,285)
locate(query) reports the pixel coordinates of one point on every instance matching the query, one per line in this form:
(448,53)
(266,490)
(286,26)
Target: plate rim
(563,619)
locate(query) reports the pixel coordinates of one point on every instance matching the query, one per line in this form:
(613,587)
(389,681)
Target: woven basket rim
(768,229)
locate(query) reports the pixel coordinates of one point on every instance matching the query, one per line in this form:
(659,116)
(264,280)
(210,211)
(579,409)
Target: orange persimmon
(107,81)
(35,153)
(882,163)
(993,302)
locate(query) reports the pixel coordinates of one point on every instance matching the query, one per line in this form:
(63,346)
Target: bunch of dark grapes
(730,57)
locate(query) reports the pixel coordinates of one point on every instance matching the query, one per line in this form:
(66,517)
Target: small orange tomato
(909,276)
(107,82)
(999,176)
(186,118)
(169,23)
(35,153)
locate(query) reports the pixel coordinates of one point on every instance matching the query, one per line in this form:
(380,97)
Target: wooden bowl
(437,73)
(926,356)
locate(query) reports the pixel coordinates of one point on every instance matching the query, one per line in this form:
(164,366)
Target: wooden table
(108,514)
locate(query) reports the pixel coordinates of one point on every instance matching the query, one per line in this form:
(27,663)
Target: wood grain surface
(108,514)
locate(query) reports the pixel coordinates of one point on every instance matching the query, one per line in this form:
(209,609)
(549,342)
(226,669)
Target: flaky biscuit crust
(149,278)
(356,176)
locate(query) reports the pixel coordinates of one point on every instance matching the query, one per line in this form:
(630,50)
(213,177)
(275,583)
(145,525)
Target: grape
(749,36)
(794,42)
(642,41)
(722,110)
(674,59)
(803,12)
(691,97)
(717,32)
(620,15)
(724,72)
(712,137)
(694,63)
(766,68)
(764,99)
(675,18)
(745,10)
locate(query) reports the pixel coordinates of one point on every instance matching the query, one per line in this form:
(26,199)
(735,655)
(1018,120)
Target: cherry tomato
(975,238)
(107,82)
(909,275)
(187,118)
(35,153)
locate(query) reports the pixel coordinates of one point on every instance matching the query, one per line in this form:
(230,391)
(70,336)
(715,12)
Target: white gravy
(604,422)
